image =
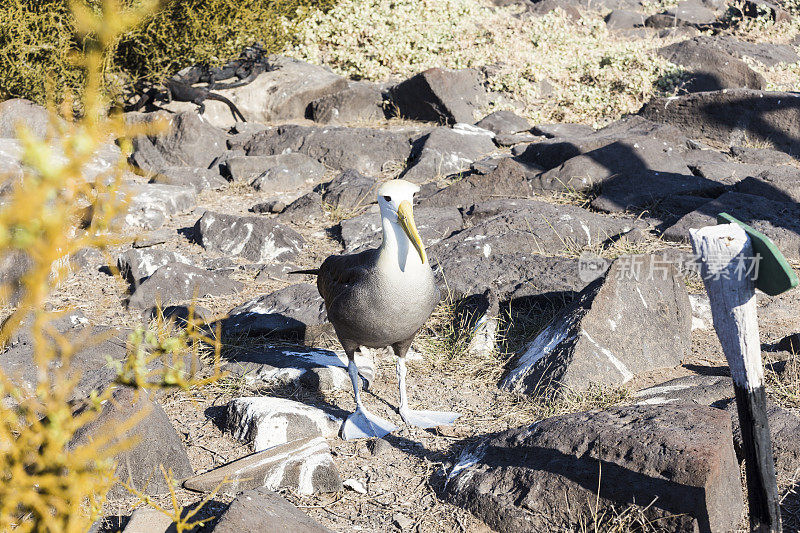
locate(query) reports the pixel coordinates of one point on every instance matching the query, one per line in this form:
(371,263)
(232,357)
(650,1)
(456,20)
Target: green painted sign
(775,275)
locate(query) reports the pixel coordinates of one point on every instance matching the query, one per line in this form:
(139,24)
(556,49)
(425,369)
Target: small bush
(37,44)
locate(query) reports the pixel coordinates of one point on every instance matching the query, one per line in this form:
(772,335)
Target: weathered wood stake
(728,271)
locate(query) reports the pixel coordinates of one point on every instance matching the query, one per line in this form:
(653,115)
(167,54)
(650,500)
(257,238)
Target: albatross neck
(397,254)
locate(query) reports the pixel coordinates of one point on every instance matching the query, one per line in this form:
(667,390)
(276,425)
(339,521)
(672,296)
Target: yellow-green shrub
(45,484)
(37,41)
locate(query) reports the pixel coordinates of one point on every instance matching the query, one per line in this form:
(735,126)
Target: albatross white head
(401,240)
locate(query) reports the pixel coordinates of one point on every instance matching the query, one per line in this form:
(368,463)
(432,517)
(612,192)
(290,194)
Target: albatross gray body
(371,307)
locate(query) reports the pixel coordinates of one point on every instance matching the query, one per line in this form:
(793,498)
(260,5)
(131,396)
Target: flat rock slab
(445,96)
(433,223)
(710,68)
(780,221)
(159,444)
(196,178)
(695,389)
(369,151)
(686,13)
(150,204)
(176,283)
(264,511)
(304,466)
(16,112)
(189,140)
(149,520)
(635,319)
(768,54)
(265,422)
(359,102)
(255,238)
(281,172)
(294,311)
(676,460)
(504,123)
(138,264)
(316,369)
(508,178)
(446,151)
(528,226)
(732,115)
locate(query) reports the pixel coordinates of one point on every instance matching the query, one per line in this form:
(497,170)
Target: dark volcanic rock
(710,67)
(695,389)
(159,444)
(499,251)
(369,151)
(433,223)
(780,221)
(768,54)
(687,13)
(440,95)
(504,123)
(446,151)
(296,310)
(508,179)
(137,264)
(562,130)
(305,210)
(275,172)
(636,319)
(360,102)
(176,282)
(349,190)
(677,461)
(264,511)
(623,19)
(91,363)
(149,204)
(733,115)
(255,238)
(194,177)
(189,141)
(761,156)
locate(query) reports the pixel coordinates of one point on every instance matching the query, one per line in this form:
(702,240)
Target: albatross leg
(422,419)
(362,423)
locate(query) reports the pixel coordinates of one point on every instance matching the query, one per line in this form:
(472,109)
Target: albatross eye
(387,198)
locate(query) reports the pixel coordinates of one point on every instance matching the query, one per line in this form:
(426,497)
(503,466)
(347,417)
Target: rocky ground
(535,230)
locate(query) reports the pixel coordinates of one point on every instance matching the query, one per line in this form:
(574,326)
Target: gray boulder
(624,19)
(294,311)
(16,112)
(676,463)
(304,466)
(150,204)
(348,191)
(635,319)
(504,123)
(710,67)
(369,151)
(264,511)
(714,391)
(137,264)
(177,282)
(731,116)
(359,102)
(254,238)
(265,422)
(686,13)
(446,151)
(274,172)
(196,178)
(761,156)
(158,443)
(189,141)
(440,95)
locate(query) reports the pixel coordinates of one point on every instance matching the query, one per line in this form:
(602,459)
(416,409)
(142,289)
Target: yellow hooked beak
(405,215)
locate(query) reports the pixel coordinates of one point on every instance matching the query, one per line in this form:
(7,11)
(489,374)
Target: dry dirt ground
(404,474)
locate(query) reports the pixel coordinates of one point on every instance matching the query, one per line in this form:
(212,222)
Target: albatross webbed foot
(363,424)
(428,419)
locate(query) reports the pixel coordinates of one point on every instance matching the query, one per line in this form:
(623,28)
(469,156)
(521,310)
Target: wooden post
(728,268)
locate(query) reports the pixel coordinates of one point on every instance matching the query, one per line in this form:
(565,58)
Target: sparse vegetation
(561,70)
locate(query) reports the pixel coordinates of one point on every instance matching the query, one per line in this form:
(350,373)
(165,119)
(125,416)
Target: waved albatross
(381,297)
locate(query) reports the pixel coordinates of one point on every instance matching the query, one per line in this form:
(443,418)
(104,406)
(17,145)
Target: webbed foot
(428,419)
(363,424)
